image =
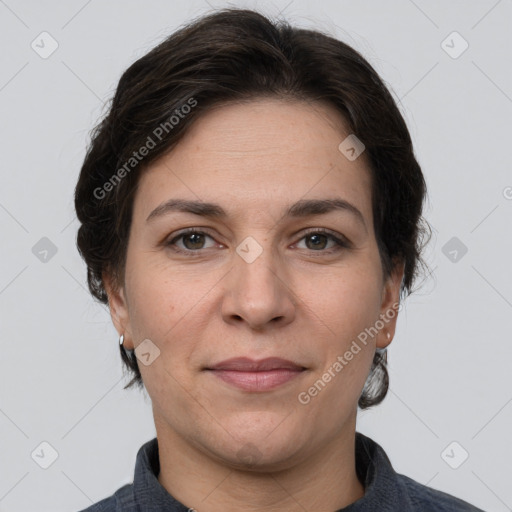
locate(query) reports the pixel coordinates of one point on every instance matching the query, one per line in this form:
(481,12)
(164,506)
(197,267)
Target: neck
(325,481)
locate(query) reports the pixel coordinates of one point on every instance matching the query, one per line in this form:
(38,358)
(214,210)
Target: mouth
(245,364)
(256,376)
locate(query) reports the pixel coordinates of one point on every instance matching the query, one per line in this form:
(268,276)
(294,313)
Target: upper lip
(245,364)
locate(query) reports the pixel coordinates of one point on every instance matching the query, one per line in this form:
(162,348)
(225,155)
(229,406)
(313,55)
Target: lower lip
(257,381)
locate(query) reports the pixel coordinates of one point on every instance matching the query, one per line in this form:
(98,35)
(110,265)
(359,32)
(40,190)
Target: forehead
(260,153)
(260,127)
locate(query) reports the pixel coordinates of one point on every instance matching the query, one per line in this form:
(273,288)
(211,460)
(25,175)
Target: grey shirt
(385,490)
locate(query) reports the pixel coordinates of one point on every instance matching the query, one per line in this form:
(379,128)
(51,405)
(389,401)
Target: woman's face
(258,281)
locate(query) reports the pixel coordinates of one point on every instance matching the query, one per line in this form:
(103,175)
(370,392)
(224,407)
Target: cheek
(168,308)
(162,297)
(344,302)
(343,307)
(342,313)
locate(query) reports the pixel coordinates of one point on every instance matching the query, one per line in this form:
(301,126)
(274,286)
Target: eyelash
(340,243)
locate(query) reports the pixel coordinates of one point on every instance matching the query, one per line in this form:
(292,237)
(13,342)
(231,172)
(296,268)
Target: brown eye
(193,240)
(190,242)
(323,241)
(318,241)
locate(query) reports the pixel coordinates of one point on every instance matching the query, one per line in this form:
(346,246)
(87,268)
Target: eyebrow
(302,208)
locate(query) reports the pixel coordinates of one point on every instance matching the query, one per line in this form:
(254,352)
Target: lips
(244,364)
(256,376)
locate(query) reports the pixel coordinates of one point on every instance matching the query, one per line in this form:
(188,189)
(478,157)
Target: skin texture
(298,300)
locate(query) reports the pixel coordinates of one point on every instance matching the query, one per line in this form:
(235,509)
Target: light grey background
(60,373)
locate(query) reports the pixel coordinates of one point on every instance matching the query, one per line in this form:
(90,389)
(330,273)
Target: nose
(258,293)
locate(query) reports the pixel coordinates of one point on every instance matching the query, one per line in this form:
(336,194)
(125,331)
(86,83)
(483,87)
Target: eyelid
(192,229)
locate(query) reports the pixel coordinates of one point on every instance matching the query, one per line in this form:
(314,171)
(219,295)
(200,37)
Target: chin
(269,446)
(257,458)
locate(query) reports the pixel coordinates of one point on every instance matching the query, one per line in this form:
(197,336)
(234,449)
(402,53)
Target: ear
(118,307)
(389,306)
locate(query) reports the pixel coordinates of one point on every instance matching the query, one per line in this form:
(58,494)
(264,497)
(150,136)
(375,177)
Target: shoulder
(426,499)
(122,499)
(386,490)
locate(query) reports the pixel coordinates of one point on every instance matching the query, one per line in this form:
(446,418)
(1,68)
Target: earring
(121,339)
(388,336)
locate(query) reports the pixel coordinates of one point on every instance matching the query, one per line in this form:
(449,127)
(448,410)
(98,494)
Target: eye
(190,241)
(318,240)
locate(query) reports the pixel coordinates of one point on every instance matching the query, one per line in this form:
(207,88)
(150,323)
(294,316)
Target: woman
(251,213)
